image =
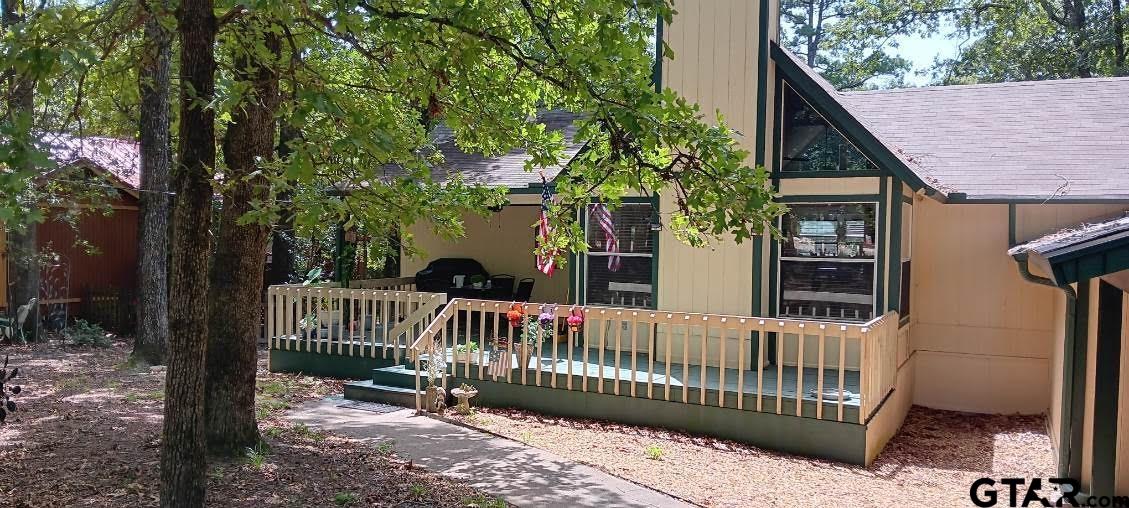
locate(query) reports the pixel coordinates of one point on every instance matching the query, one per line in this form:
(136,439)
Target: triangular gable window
(810,143)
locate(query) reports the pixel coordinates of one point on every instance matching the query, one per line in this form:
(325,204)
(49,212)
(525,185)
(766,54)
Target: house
(892,284)
(104,266)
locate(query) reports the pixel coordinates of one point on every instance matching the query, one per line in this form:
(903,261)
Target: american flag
(500,358)
(545,263)
(611,242)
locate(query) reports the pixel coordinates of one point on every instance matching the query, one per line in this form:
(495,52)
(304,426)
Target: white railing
(796,366)
(332,320)
(393,283)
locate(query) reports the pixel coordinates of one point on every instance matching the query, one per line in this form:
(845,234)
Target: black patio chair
(502,286)
(524,290)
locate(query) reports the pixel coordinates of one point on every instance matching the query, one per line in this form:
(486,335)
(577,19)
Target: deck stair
(390,385)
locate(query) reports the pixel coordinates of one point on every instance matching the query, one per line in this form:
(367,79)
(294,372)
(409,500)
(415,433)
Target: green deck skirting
(841,441)
(327,365)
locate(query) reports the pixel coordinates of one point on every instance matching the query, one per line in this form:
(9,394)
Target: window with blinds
(620,275)
(827,261)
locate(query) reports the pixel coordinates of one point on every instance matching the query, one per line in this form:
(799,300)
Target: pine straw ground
(88,434)
(931,462)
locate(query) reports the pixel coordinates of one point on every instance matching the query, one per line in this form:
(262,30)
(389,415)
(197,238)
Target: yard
(88,434)
(931,462)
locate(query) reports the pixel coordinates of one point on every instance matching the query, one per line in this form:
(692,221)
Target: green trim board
(837,198)
(1075,418)
(841,441)
(830,174)
(326,364)
(895,248)
(962,198)
(835,113)
(1107,377)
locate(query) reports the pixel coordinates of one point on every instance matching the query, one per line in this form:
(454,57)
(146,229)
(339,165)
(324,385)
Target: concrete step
(373,392)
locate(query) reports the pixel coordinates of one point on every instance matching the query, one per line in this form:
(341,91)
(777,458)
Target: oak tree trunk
(22,242)
(152,265)
(183,455)
(235,302)
(282,239)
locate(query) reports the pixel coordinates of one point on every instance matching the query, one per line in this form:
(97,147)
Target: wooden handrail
(668,344)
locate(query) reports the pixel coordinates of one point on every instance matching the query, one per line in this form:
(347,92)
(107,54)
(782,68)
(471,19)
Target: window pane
(812,144)
(827,289)
(628,285)
(632,225)
(836,230)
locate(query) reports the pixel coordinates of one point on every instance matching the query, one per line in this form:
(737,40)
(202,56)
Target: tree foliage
(850,42)
(1017,40)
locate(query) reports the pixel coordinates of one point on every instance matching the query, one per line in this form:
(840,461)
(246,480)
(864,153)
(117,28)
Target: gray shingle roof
(507,170)
(1034,140)
(1060,139)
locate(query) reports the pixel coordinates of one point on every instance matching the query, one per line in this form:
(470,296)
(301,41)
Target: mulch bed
(931,462)
(88,434)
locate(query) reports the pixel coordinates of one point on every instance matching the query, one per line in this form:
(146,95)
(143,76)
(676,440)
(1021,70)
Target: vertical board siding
(1121,473)
(715,45)
(113,262)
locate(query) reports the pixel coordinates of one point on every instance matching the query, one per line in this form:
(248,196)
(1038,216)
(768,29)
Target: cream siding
(1121,475)
(502,241)
(829,186)
(715,45)
(1091,372)
(981,332)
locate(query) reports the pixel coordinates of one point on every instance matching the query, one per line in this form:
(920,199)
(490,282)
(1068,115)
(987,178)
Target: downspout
(1021,262)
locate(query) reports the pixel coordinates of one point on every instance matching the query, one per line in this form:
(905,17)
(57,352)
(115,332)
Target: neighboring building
(104,265)
(901,201)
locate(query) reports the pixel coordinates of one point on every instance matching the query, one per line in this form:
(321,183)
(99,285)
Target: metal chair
(9,327)
(524,290)
(502,286)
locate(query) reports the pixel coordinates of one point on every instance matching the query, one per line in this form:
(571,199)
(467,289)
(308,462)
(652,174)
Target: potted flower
(467,353)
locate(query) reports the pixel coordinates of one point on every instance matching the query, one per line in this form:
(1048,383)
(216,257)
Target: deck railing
(334,320)
(393,283)
(747,363)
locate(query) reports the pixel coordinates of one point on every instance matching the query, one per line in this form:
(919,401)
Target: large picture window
(810,143)
(620,272)
(827,261)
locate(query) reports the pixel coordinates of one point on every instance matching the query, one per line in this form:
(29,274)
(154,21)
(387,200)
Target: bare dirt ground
(87,433)
(931,462)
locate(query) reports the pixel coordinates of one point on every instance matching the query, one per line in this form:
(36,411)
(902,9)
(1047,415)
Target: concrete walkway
(520,474)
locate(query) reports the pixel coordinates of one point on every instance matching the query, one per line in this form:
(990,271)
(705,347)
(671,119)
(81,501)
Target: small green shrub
(344,498)
(257,455)
(481,501)
(83,333)
(654,452)
(385,448)
(418,490)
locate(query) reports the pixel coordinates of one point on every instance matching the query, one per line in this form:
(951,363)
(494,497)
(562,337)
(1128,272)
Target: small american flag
(611,242)
(545,263)
(500,358)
